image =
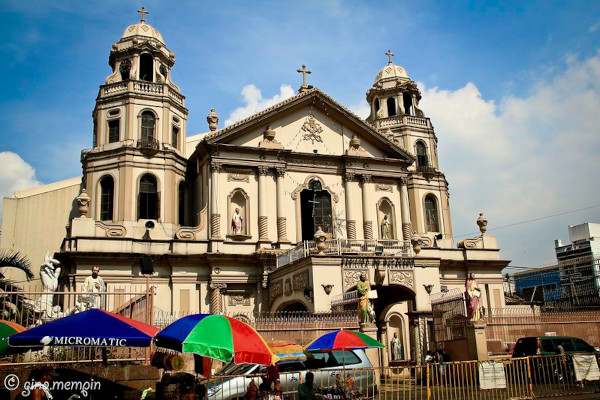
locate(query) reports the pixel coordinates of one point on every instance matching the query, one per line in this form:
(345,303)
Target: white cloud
(525,158)
(361,109)
(15,175)
(254,102)
(594,27)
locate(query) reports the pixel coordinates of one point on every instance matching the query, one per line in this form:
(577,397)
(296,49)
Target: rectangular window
(113,130)
(174,136)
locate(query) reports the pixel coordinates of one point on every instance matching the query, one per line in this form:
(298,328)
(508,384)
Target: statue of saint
(236,222)
(386,228)
(472,295)
(363,288)
(395,347)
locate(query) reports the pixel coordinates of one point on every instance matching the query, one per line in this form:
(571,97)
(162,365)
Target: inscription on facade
(239,300)
(276,289)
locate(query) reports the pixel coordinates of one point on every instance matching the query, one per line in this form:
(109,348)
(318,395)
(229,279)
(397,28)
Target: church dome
(391,71)
(142,29)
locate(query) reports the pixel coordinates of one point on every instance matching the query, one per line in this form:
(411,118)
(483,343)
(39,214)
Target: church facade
(282,211)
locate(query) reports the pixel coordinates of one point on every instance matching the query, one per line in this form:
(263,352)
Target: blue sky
(511,88)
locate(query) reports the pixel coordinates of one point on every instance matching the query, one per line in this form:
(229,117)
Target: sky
(511,87)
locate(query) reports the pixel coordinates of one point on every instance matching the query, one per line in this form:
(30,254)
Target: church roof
(142,29)
(307,96)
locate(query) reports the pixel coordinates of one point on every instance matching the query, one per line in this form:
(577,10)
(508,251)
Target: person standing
(94,284)
(306,390)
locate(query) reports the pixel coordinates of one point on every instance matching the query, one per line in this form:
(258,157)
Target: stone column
(263,219)
(216,298)
(406,225)
(367,207)
(281,219)
(215,216)
(350,217)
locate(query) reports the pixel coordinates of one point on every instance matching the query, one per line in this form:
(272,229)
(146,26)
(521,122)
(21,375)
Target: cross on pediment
(390,55)
(143,12)
(304,72)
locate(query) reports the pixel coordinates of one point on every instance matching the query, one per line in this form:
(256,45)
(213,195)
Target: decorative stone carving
(215,226)
(282,229)
(355,149)
(237,177)
(213,120)
(83,200)
(327,288)
(111,230)
(263,227)
(426,242)
(405,278)
(320,240)
(470,243)
(482,223)
(352,276)
(416,242)
(300,280)
(348,176)
(276,289)
(215,166)
(239,300)
(368,229)
(280,172)
(312,130)
(380,187)
(263,170)
(269,141)
(351,229)
(216,298)
(300,188)
(366,178)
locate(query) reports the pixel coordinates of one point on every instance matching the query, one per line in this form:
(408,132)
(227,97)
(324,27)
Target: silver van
(232,381)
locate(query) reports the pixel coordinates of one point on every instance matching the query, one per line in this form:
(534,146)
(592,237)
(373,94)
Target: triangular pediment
(311,122)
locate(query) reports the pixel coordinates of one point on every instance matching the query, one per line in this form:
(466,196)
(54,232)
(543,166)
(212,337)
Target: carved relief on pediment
(352,276)
(404,278)
(301,280)
(312,130)
(276,289)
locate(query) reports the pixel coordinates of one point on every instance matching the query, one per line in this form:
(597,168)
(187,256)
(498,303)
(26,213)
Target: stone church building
(282,211)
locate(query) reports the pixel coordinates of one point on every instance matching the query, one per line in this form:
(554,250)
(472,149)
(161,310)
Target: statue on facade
(386,228)
(236,222)
(472,295)
(363,288)
(395,347)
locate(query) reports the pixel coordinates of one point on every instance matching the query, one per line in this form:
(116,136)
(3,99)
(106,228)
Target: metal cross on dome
(143,12)
(390,55)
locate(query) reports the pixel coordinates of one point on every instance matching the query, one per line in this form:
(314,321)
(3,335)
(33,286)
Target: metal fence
(518,378)
(506,325)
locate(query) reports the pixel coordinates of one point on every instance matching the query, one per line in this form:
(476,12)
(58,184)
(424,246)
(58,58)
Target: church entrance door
(315,208)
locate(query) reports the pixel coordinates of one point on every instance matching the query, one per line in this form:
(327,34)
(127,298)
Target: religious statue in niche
(386,228)
(364,304)
(237,222)
(472,295)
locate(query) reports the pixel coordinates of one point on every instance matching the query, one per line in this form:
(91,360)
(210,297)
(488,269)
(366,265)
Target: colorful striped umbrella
(287,350)
(343,340)
(216,336)
(8,328)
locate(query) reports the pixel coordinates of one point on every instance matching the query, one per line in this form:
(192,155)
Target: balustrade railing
(346,246)
(142,87)
(404,120)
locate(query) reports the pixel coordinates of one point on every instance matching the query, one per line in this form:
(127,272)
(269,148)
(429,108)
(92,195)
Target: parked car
(547,345)
(546,364)
(325,365)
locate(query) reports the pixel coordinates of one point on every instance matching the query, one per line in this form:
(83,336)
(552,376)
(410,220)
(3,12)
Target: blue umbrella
(91,328)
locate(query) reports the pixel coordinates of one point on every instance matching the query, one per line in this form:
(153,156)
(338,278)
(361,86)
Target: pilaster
(367,206)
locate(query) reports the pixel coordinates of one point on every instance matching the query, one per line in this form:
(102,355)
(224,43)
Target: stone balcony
(142,87)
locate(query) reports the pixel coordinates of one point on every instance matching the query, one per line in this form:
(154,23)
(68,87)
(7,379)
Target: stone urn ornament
(269,134)
(213,120)
(320,238)
(482,223)
(83,200)
(416,243)
(355,142)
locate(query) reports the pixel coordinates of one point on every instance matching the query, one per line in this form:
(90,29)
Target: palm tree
(10,306)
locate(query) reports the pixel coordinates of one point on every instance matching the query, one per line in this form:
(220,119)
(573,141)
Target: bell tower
(135,171)
(394,100)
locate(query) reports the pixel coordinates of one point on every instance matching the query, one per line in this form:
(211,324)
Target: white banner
(491,375)
(586,367)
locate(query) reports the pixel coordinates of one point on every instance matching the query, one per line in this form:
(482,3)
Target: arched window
(146,67)
(148,198)
(376,105)
(148,124)
(407,99)
(421,155)
(431,214)
(391,106)
(107,191)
